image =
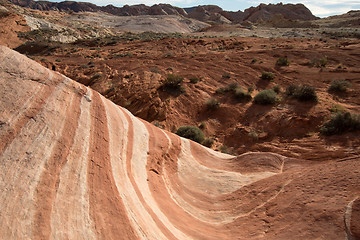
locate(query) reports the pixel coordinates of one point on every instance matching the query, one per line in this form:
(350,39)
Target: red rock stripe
(106,207)
(158,158)
(49,180)
(129,153)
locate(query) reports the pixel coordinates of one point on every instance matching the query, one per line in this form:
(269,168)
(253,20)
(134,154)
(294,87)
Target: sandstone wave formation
(73,165)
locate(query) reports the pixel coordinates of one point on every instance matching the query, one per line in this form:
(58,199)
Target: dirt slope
(73,165)
(10,24)
(131,74)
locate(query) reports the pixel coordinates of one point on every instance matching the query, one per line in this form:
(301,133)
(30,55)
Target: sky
(322,8)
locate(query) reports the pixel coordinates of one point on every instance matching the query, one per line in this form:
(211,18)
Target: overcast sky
(320,8)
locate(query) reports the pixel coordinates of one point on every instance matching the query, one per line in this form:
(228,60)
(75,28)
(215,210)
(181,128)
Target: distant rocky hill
(206,13)
(288,11)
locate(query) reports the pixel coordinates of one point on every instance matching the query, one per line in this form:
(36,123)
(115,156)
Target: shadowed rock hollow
(73,165)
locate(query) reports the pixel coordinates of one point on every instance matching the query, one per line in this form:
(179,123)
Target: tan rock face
(73,165)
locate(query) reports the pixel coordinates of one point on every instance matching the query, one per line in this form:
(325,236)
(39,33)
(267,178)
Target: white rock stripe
(25,159)
(140,219)
(139,163)
(70,214)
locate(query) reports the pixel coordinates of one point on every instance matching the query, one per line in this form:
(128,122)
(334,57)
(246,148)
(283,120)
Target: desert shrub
(195,79)
(191,132)
(277,89)
(282,61)
(96,76)
(291,89)
(250,89)
(4,14)
(339,85)
(253,135)
(337,108)
(254,60)
(221,90)
(265,97)
(208,142)
(173,83)
(302,92)
(212,104)
(225,149)
(226,75)
(341,122)
(267,76)
(241,95)
(318,62)
(232,86)
(202,125)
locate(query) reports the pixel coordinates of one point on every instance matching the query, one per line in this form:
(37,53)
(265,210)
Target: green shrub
(339,85)
(96,76)
(302,92)
(277,89)
(267,76)
(265,97)
(241,95)
(337,108)
(341,122)
(195,79)
(191,132)
(221,90)
(208,142)
(226,75)
(173,83)
(202,125)
(232,86)
(318,62)
(225,149)
(212,104)
(282,61)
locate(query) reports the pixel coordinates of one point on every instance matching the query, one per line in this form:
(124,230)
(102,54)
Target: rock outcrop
(73,165)
(206,13)
(287,11)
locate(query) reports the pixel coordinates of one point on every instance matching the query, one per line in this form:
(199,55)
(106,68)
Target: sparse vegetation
(267,76)
(282,61)
(265,97)
(191,132)
(212,104)
(277,89)
(225,149)
(208,142)
(226,75)
(301,92)
(241,95)
(173,83)
(253,135)
(230,87)
(202,125)
(237,91)
(195,79)
(339,85)
(337,108)
(341,122)
(96,76)
(318,62)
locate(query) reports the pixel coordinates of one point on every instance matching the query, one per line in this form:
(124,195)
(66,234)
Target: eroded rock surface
(73,165)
